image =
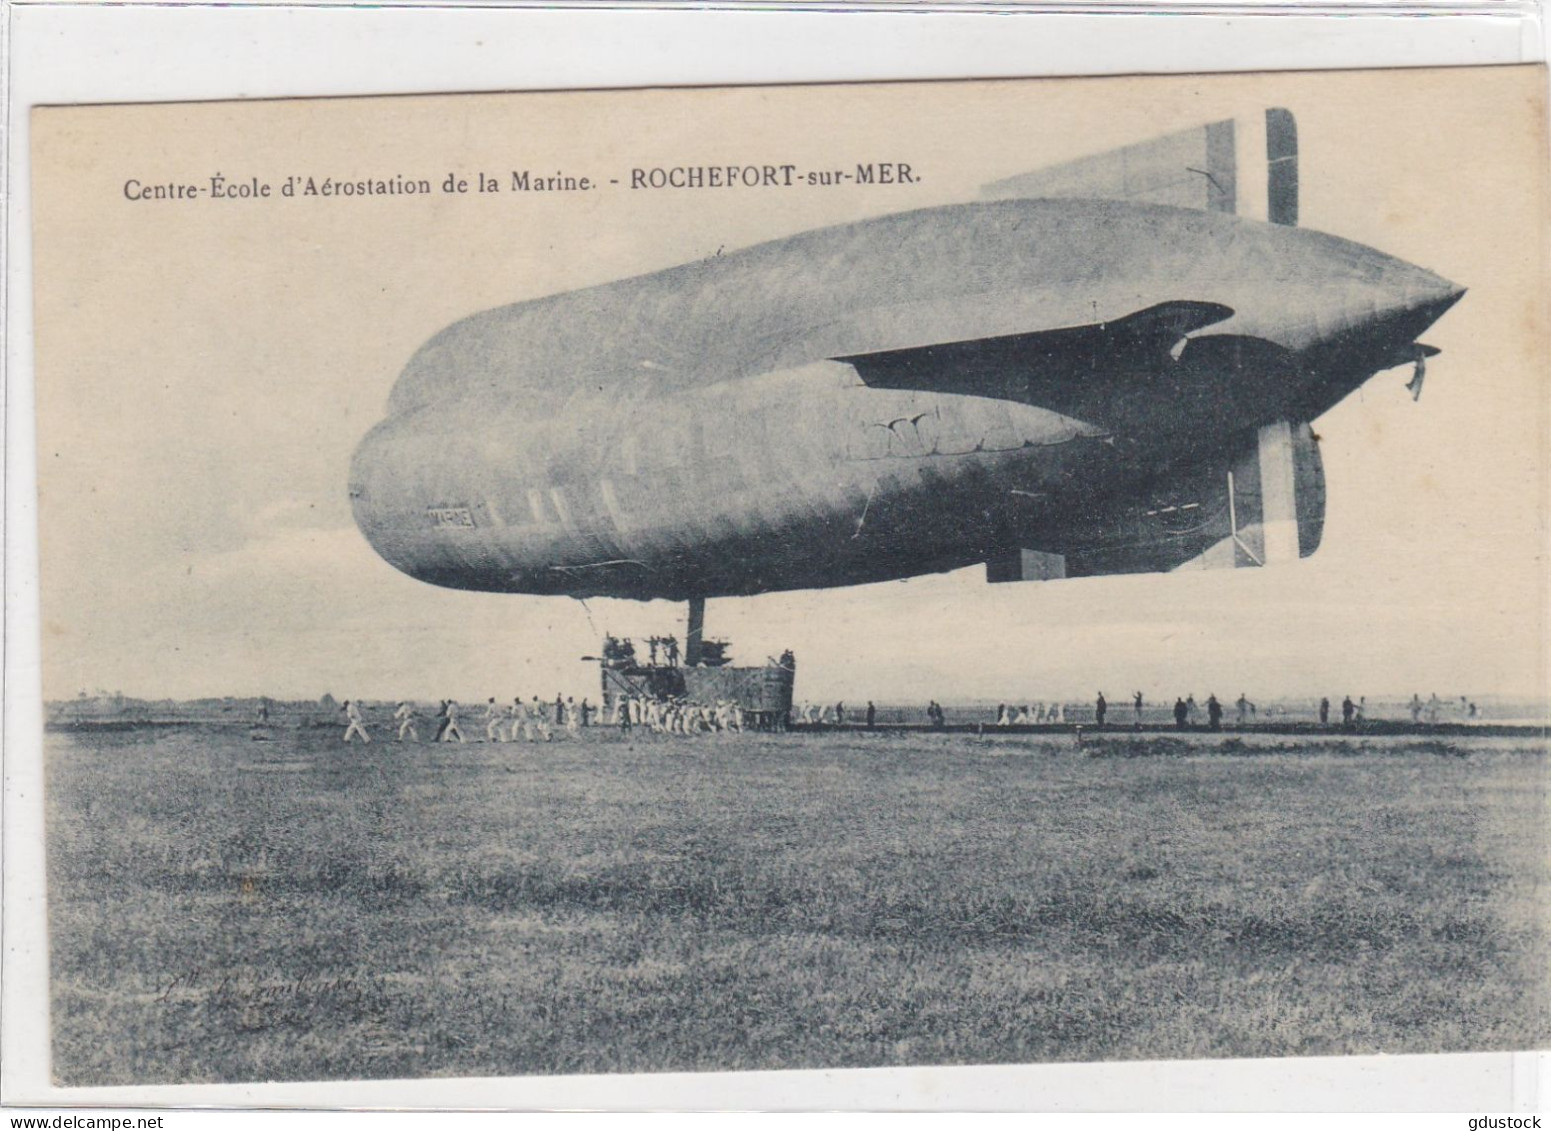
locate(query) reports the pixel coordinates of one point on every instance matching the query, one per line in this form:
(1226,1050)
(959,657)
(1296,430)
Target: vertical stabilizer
(1282,167)
(1262,506)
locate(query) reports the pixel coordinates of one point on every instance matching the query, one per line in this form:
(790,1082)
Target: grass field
(222,909)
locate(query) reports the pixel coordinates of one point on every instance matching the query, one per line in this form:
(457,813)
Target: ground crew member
(450,721)
(1100,709)
(1181,713)
(405,716)
(1213,713)
(353,713)
(540,715)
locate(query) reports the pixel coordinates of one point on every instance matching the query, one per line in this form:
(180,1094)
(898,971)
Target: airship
(1105,367)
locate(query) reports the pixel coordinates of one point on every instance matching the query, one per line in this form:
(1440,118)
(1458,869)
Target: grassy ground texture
(223,909)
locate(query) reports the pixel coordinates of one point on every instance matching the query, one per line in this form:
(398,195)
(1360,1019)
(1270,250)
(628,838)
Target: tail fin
(1262,506)
(1281,167)
(1215,168)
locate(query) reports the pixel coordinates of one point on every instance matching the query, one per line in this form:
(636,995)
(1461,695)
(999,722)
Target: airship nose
(1419,290)
(1395,303)
(1424,300)
(1351,290)
(1373,310)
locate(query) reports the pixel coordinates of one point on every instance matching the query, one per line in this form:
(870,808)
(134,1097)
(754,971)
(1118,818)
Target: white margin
(69,53)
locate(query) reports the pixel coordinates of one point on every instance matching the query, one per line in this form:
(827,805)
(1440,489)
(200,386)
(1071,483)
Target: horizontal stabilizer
(1244,166)
(1048,368)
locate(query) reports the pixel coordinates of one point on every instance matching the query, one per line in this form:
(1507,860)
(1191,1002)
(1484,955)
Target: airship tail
(1263,505)
(1242,166)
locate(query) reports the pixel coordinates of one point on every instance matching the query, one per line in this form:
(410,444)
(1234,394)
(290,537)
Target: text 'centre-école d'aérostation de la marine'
(219,186)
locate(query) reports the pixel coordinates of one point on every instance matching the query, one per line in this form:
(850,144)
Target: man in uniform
(450,722)
(405,717)
(353,713)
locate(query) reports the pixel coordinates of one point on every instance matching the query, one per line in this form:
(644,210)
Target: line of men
(1187,712)
(1041,713)
(537,720)
(534,721)
(1435,707)
(677,715)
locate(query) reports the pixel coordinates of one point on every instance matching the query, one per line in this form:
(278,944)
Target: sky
(205,370)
